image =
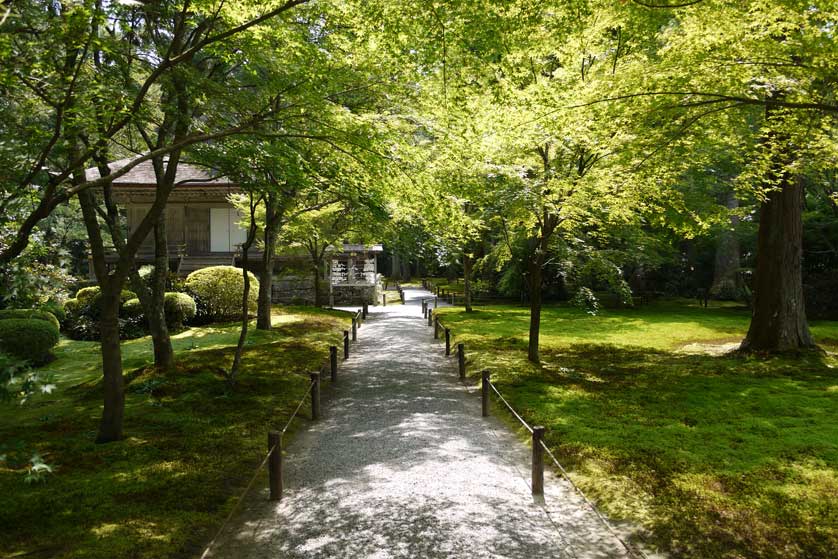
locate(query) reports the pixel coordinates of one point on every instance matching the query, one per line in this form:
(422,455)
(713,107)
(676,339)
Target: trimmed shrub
(85,294)
(132,309)
(218,292)
(28,313)
(28,338)
(179,308)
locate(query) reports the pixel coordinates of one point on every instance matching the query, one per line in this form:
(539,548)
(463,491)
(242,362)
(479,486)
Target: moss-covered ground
(715,455)
(191,442)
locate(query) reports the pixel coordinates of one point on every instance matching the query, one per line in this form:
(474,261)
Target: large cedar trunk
(778,322)
(467,280)
(110,427)
(536,266)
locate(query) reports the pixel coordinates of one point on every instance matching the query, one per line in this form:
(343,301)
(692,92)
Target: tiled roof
(143,175)
(350,247)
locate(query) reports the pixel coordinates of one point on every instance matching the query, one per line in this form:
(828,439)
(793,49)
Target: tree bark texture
(536,266)
(266,272)
(110,426)
(164,355)
(779,322)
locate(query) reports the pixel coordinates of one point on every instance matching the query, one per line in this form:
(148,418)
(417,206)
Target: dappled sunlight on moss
(712,453)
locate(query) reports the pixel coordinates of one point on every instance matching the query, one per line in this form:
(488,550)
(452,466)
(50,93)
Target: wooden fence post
(537,460)
(354,330)
(430,317)
(275,465)
(365,311)
(383,299)
(333,362)
(315,395)
(461,360)
(401,296)
(484,393)
(436,328)
(436,302)
(447,342)
(346,344)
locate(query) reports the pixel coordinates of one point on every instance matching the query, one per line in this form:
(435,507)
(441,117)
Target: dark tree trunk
(535,268)
(315,275)
(467,265)
(726,268)
(266,272)
(251,236)
(164,355)
(110,426)
(778,322)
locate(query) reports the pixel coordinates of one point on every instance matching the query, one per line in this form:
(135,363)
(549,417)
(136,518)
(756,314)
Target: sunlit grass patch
(716,455)
(191,442)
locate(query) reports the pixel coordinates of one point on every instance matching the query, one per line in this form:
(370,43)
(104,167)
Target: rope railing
(273,457)
(537,432)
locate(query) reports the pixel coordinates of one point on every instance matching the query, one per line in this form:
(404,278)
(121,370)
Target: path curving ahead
(403,465)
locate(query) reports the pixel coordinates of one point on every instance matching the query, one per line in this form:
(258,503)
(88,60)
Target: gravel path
(403,465)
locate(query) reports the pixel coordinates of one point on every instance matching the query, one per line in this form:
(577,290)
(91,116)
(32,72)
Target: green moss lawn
(714,455)
(191,444)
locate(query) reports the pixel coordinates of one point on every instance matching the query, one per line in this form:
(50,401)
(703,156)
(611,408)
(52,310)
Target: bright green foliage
(657,424)
(28,338)
(179,309)
(218,292)
(85,294)
(26,313)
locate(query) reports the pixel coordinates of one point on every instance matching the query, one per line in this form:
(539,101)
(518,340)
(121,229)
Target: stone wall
(299,290)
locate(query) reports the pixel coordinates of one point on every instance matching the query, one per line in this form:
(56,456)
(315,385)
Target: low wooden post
(346,344)
(424,308)
(383,299)
(365,310)
(484,393)
(333,362)
(537,460)
(436,302)
(401,295)
(461,360)
(354,330)
(436,328)
(430,317)
(447,342)
(315,395)
(275,465)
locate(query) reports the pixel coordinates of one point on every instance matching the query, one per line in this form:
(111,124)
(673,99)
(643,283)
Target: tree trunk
(536,267)
(318,296)
(726,269)
(778,322)
(164,355)
(266,272)
(467,280)
(251,236)
(110,427)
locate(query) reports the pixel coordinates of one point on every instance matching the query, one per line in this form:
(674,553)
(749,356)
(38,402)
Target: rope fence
(538,445)
(273,457)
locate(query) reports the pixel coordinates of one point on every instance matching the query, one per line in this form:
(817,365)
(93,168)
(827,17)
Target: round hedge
(28,313)
(28,338)
(132,308)
(180,308)
(218,292)
(85,294)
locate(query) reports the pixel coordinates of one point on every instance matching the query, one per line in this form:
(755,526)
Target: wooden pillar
(484,393)
(333,362)
(461,360)
(447,342)
(346,344)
